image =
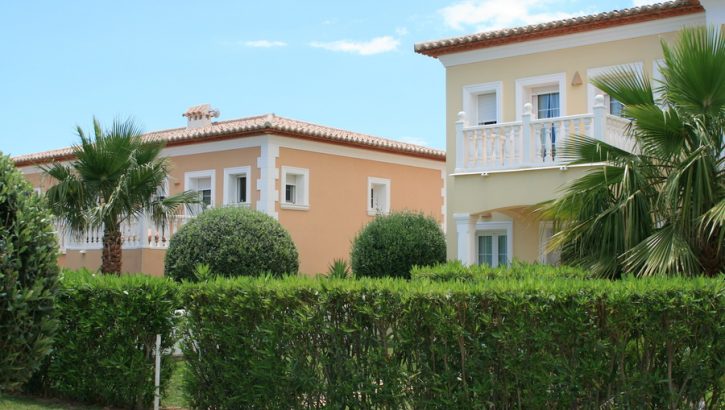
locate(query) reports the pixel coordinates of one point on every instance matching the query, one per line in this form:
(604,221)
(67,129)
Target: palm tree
(115,177)
(659,209)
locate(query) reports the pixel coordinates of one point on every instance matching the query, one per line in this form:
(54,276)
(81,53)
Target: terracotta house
(323,184)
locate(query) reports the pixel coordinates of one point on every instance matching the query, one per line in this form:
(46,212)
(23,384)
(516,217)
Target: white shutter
(203,183)
(487,108)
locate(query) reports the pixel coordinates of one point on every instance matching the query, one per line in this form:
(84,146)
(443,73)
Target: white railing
(531,143)
(136,234)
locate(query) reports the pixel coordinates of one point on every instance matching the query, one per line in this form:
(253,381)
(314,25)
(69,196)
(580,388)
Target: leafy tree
(659,209)
(115,177)
(28,278)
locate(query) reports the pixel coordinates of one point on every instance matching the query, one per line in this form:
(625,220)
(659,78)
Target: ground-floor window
(493,248)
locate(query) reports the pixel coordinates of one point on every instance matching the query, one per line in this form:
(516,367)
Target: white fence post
(526,134)
(460,141)
(598,125)
(157,374)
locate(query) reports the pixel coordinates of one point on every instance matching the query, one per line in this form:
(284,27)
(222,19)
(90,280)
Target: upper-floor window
(295,188)
(545,102)
(611,104)
(482,103)
(237,183)
(203,183)
(546,94)
(378,196)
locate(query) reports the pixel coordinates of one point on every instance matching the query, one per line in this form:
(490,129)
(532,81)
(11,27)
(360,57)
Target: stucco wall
(338,201)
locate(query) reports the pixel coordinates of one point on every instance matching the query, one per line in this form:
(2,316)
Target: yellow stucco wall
(474,193)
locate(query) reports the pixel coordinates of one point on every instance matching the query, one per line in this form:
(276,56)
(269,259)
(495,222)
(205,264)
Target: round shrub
(391,245)
(232,242)
(28,278)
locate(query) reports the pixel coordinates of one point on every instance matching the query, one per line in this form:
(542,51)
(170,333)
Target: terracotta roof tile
(263,124)
(559,27)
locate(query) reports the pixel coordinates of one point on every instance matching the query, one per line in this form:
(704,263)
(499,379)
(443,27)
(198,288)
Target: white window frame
(592,90)
(386,207)
(657,79)
(545,226)
(524,86)
(470,100)
(191,175)
(231,174)
(493,228)
(303,202)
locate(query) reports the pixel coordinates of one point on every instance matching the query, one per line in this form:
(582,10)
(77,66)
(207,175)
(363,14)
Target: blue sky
(339,63)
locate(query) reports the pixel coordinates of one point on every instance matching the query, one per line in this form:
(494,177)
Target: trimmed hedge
(232,242)
(392,244)
(456,271)
(104,349)
(389,343)
(28,278)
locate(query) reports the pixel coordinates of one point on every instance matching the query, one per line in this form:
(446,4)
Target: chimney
(200,116)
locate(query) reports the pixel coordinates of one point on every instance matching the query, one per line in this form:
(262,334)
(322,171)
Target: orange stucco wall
(338,201)
(148,261)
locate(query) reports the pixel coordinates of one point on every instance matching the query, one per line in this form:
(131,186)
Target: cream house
(323,184)
(513,97)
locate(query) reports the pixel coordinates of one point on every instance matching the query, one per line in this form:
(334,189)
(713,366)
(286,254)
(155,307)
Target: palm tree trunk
(712,257)
(111,257)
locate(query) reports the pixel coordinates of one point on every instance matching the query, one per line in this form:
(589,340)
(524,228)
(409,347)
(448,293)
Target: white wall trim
(470,102)
(268,176)
(465,237)
(305,203)
(527,82)
(574,40)
(214,146)
(592,91)
(388,199)
(357,153)
(228,172)
(444,197)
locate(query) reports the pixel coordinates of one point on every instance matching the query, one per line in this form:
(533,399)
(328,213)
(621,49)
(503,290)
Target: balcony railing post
(460,141)
(526,134)
(599,113)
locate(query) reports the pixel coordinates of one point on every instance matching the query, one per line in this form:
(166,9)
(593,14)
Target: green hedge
(558,343)
(456,271)
(103,351)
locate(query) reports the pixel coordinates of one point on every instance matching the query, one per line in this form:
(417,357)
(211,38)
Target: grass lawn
(174,398)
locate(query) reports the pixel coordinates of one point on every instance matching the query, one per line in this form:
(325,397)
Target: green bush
(232,242)
(456,271)
(389,343)
(104,349)
(391,245)
(28,278)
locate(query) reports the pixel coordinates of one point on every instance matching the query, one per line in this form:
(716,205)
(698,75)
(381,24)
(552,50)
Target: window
(237,186)
(545,102)
(37,190)
(481,103)
(546,94)
(203,183)
(546,232)
(613,106)
(487,109)
(493,249)
(378,202)
(295,188)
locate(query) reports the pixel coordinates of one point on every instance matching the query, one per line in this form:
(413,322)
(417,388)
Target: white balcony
(533,143)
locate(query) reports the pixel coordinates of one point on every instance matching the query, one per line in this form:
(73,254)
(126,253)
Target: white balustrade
(135,234)
(531,143)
